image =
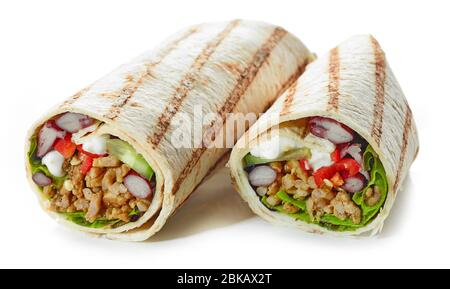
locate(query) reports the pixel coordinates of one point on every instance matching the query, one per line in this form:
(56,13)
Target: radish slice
(138,186)
(330,129)
(41,180)
(262,176)
(365,173)
(343,150)
(354,184)
(354,151)
(46,138)
(73,122)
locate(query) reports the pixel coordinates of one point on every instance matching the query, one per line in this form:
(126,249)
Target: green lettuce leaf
(38,167)
(302,215)
(339,228)
(288,199)
(295,154)
(332,219)
(79,219)
(275,208)
(377,178)
(134,212)
(32,152)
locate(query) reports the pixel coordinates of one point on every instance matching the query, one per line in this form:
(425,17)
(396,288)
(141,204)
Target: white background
(50,49)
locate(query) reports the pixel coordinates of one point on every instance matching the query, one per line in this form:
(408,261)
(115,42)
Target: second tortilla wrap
(238,66)
(353,89)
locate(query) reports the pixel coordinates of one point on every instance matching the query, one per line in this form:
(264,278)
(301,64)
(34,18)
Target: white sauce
(54,162)
(274,147)
(288,139)
(96,144)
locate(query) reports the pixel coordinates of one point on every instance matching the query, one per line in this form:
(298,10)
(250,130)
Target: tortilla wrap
(354,85)
(238,66)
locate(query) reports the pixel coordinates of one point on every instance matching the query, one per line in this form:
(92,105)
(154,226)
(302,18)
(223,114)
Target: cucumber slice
(128,155)
(295,154)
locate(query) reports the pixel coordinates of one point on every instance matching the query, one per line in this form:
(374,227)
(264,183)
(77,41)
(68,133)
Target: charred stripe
(127,92)
(76,96)
(380,78)
(244,82)
(186,85)
(333,79)
(288,99)
(404,147)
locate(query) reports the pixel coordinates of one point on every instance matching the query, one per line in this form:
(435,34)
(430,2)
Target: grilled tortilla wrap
(239,66)
(345,112)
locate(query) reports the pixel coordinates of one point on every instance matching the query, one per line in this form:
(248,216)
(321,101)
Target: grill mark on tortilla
(404,147)
(124,95)
(76,96)
(135,104)
(333,79)
(186,85)
(293,78)
(380,78)
(234,68)
(289,98)
(246,79)
(283,87)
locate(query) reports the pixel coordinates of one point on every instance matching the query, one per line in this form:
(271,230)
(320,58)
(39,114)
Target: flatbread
(354,85)
(237,66)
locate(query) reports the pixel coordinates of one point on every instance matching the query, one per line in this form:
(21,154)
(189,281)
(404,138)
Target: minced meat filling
(99,193)
(300,185)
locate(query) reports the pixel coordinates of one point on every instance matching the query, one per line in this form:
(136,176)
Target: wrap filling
(319,171)
(92,178)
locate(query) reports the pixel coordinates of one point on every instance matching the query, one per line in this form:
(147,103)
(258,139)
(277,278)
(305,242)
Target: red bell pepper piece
(324,173)
(86,162)
(345,167)
(336,155)
(348,165)
(65,146)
